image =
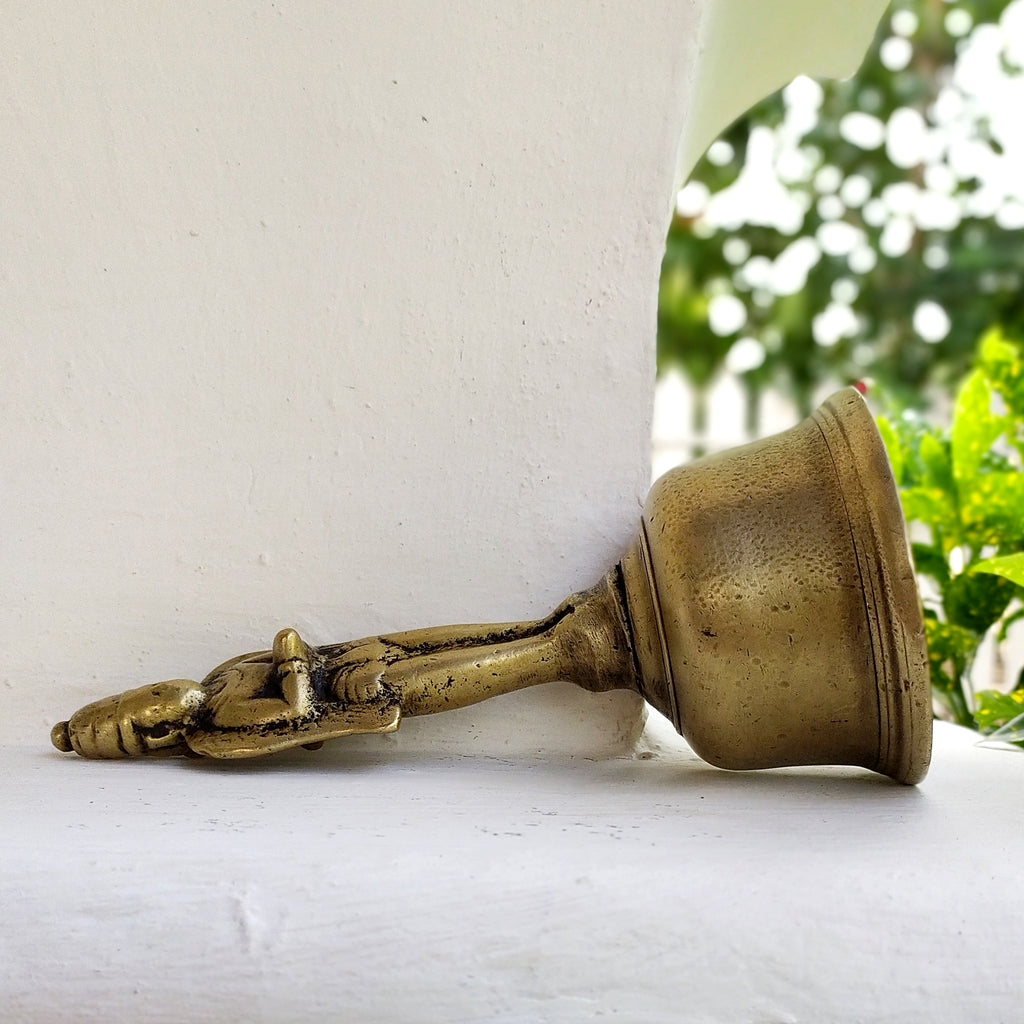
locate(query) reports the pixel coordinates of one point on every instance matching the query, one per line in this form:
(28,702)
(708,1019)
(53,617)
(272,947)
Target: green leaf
(1010,567)
(930,505)
(976,602)
(995,709)
(893,446)
(935,458)
(994,351)
(951,650)
(1004,632)
(975,428)
(992,509)
(1002,362)
(930,561)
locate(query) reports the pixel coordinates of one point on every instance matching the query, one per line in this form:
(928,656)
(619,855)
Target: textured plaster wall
(336,315)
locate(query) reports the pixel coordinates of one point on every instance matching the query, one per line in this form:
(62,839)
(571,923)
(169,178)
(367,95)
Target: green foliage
(1001,712)
(1010,567)
(899,258)
(963,494)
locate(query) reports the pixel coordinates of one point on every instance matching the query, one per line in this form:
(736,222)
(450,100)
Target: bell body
(774,609)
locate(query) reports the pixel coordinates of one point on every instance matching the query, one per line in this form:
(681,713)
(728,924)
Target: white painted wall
(333,315)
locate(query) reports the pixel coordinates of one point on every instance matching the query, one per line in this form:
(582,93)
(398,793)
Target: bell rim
(892,601)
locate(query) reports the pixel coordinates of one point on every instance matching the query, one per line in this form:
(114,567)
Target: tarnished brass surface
(777,580)
(767,607)
(297,695)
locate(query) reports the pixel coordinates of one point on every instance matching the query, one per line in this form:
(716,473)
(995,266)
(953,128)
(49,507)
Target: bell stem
(584,641)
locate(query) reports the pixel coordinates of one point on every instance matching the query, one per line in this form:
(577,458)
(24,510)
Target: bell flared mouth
(891,601)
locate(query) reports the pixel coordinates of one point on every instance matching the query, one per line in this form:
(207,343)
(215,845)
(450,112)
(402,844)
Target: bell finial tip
(60,737)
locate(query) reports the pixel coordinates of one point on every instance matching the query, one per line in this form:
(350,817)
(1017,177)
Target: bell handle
(585,640)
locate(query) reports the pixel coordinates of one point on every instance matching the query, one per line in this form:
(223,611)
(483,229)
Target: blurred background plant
(962,490)
(869,228)
(872,230)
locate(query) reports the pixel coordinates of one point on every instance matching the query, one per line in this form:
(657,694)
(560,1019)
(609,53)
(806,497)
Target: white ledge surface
(392,886)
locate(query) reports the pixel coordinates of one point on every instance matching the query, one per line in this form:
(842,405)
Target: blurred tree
(867,228)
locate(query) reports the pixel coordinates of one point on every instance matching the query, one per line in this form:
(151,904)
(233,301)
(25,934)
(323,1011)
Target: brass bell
(774,606)
(767,607)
